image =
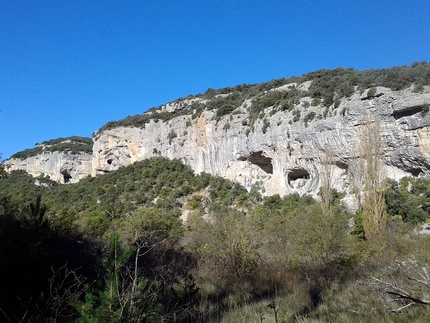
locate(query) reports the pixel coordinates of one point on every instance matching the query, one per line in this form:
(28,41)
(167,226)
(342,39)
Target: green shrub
(172,135)
(296,115)
(316,102)
(371,92)
(309,117)
(328,87)
(73,145)
(410,199)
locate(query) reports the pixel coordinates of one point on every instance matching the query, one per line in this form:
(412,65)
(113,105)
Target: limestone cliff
(277,139)
(60,167)
(64,160)
(280,152)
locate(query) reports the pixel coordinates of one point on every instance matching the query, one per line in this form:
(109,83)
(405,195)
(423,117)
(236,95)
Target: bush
(409,198)
(371,92)
(328,87)
(73,145)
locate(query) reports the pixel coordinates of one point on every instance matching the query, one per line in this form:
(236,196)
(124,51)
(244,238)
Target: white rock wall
(296,149)
(232,149)
(60,167)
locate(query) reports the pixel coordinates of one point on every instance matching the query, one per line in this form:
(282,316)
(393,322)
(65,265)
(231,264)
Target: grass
(357,299)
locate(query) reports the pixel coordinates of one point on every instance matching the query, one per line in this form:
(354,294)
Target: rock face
(61,167)
(278,154)
(282,152)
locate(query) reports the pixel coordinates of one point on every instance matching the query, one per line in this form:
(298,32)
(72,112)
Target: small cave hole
(409,111)
(296,174)
(341,165)
(257,158)
(415,172)
(109,161)
(66,176)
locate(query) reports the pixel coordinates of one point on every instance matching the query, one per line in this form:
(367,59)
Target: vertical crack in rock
(257,158)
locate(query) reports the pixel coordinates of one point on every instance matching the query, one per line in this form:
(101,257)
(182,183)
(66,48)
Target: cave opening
(257,158)
(66,176)
(298,173)
(415,172)
(409,111)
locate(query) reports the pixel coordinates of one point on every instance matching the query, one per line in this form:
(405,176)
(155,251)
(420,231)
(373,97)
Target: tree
(368,177)
(318,240)
(3,173)
(327,177)
(126,297)
(36,212)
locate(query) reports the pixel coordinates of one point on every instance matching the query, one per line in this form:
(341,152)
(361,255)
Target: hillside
(301,199)
(185,247)
(72,145)
(273,135)
(298,200)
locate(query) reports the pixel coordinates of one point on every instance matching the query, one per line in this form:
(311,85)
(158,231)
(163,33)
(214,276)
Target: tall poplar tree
(368,174)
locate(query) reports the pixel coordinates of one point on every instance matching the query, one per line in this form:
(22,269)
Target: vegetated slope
(146,196)
(155,182)
(326,87)
(238,255)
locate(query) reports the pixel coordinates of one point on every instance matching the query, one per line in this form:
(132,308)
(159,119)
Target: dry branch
(408,291)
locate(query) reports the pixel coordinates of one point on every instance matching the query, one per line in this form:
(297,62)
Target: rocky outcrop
(282,151)
(61,167)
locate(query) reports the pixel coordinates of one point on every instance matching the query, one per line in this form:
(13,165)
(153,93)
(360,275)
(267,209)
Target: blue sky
(68,67)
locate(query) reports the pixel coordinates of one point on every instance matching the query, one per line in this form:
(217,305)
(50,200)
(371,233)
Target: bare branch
(394,289)
(402,308)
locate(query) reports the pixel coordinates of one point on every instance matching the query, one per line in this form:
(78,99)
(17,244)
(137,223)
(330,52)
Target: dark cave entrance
(298,173)
(257,158)
(66,176)
(410,111)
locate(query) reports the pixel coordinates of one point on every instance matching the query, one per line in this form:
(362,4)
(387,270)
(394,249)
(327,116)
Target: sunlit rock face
(280,154)
(59,166)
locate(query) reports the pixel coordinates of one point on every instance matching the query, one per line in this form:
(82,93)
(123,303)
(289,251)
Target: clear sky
(68,67)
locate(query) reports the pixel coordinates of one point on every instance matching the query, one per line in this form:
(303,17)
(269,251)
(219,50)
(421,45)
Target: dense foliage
(114,249)
(73,145)
(409,199)
(107,219)
(154,242)
(327,88)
